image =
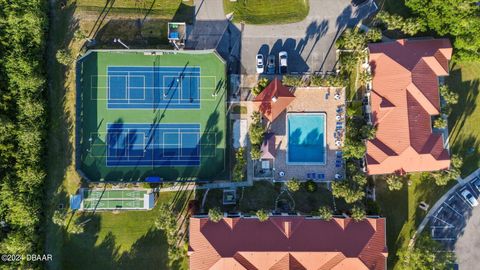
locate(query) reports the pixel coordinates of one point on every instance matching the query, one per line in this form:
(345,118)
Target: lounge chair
(320,176)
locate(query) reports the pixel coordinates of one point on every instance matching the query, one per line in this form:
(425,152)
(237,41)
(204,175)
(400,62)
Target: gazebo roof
(273,100)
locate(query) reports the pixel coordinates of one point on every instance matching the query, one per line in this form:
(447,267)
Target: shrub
(240,165)
(262,215)
(358,213)
(348,190)
(262,83)
(293,80)
(255,152)
(328,81)
(394,182)
(64,57)
(293,185)
(449,96)
(440,122)
(310,186)
(256,131)
(374,35)
(325,213)
(456,161)
(215,215)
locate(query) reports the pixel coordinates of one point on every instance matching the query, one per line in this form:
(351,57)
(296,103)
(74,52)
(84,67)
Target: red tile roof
(287,243)
(273,100)
(404,98)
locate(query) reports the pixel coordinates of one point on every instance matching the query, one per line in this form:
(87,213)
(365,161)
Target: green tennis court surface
(146,115)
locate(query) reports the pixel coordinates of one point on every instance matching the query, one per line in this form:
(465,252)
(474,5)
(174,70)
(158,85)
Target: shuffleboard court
(153,87)
(113,194)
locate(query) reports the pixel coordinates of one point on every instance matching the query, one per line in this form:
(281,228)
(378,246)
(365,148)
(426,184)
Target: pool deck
(308,100)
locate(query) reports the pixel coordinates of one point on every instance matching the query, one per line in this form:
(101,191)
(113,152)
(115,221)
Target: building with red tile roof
(273,100)
(293,242)
(403,99)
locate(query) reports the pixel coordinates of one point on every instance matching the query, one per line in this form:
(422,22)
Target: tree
(443,177)
(325,213)
(440,122)
(262,215)
(427,254)
(374,34)
(409,26)
(293,185)
(64,57)
(358,213)
(394,182)
(348,190)
(353,148)
(368,132)
(215,215)
(364,77)
(458,19)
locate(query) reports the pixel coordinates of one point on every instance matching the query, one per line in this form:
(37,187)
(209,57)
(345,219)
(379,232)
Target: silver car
(469,198)
(260,65)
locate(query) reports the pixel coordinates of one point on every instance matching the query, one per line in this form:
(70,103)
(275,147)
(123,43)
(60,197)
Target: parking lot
(448,223)
(310,44)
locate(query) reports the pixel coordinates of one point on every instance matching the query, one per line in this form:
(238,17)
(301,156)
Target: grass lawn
(267,11)
(125,240)
(263,194)
(464,121)
(62,178)
(402,212)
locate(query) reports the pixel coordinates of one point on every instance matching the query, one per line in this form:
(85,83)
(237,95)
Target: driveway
(309,43)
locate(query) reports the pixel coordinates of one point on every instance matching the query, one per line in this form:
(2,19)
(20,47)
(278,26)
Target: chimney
(274,99)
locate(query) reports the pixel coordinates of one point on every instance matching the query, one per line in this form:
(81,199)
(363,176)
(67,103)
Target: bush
(64,57)
(293,185)
(449,96)
(257,130)
(310,186)
(328,81)
(262,215)
(358,213)
(394,182)
(293,80)
(325,213)
(374,35)
(255,152)
(348,190)
(440,122)
(240,165)
(456,161)
(215,215)
(262,83)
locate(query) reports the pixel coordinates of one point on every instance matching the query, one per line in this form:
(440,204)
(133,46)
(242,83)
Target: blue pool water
(306,138)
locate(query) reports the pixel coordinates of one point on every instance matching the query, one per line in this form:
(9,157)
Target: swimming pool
(306,139)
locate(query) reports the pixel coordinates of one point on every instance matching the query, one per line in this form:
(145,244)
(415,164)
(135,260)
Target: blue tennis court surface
(153,144)
(153,87)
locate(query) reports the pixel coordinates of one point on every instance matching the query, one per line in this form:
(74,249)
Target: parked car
(260,65)
(476,183)
(469,198)
(283,56)
(271,64)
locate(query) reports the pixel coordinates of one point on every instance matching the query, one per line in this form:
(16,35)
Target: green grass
(464,121)
(125,240)
(95,116)
(267,11)
(402,212)
(262,195)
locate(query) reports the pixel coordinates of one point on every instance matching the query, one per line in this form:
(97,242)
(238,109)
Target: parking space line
(454,210)
(443,221)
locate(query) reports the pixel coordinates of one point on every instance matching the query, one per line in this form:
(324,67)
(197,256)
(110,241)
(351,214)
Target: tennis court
(132,87)
(156,144)
(144,113)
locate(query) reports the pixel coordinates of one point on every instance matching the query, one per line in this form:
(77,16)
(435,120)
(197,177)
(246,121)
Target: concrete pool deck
(308,100)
